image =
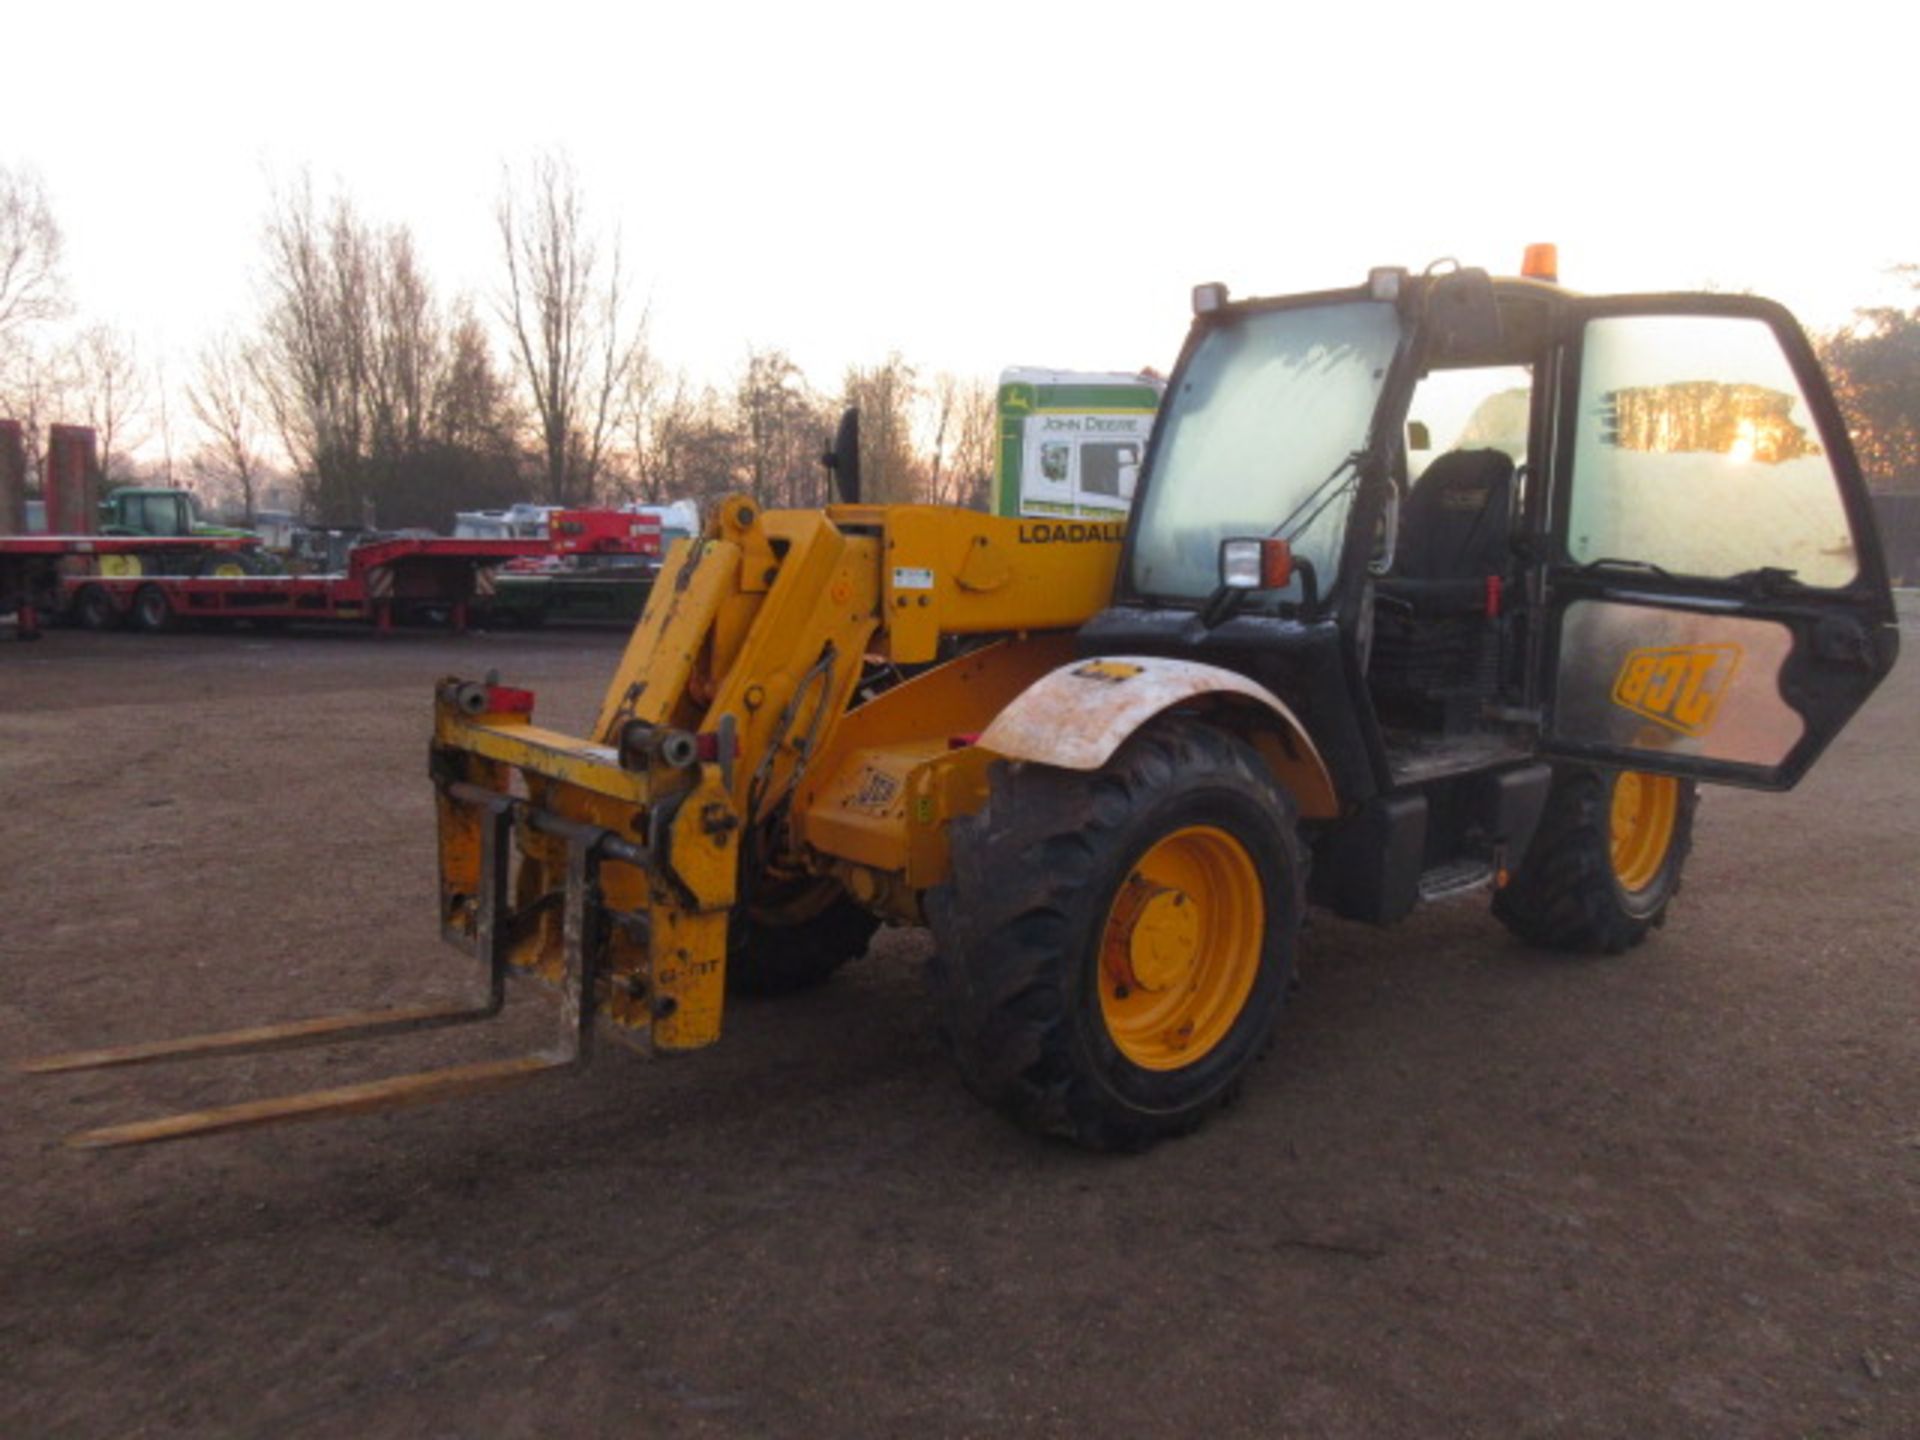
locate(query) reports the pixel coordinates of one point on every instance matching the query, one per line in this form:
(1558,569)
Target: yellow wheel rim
(1645,808)
(1181,948)
(229,569)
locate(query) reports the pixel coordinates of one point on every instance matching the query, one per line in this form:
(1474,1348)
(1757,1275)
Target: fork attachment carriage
(492,934)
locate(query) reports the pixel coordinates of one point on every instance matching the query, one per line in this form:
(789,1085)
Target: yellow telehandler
(1439,584)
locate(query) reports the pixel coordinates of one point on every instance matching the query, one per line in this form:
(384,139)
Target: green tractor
(160,513)
(164,514)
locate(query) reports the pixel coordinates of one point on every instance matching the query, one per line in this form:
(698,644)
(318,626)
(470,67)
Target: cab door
(1715,602)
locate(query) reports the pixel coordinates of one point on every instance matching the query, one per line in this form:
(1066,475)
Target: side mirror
(843,459)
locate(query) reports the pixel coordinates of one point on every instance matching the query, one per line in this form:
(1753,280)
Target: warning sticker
(875,791)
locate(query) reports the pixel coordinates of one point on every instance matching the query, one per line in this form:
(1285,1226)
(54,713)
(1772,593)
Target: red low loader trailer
(40,575)
(383,579)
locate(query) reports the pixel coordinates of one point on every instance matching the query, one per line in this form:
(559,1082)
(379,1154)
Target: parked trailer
(382,579)
(152,584)
(37,572)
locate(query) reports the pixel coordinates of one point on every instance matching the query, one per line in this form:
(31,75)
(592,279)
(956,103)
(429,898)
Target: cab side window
(1694,450)
(1466,446)
(1483,409)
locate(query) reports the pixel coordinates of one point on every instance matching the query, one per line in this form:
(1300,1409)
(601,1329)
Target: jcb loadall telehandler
(1438,583)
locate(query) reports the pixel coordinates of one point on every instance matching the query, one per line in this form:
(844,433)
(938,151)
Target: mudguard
(1078,715)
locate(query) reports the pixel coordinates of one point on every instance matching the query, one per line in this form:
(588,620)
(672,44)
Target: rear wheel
(152,610)
(95,609)
(1114,947)
(1605,863)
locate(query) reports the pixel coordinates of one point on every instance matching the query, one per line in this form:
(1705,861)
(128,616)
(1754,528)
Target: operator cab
(1467,529)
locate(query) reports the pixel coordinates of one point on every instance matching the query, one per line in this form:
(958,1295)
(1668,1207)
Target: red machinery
(604,532)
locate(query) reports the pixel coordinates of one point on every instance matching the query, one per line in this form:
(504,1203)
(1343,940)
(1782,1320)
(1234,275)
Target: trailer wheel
(1604,864)
(152,611)
(1114,948)
(95,609)
(795,939)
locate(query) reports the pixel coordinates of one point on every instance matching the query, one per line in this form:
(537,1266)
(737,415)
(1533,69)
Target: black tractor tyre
(1566,895)
(777,950)
(95,610)
(1022,933)
(152,611)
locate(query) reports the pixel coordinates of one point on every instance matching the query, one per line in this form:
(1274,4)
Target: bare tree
(223,399)
(406,347)
(693,450)
(366,377)
(567,307)
(1875,365)
(165,408)
(311,360)
(890,470)
(108,385)
(965,425)
(780,425)
(472,408)
(647,397)
(34,390)
(31,289)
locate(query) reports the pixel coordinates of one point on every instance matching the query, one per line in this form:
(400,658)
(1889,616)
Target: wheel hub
(1161,931)
(1181,948)
(1641,824)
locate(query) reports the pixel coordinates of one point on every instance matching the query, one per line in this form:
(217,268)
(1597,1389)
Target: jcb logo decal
(1680,686)
(1111,671)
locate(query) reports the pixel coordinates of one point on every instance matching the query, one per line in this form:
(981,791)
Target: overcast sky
(975,184)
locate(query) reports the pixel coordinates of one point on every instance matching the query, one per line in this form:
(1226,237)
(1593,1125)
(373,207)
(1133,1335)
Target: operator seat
(1453,534)
(1437,623)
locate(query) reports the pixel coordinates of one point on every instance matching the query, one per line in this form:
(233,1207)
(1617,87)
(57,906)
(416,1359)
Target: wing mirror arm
(1382,561)
(1255,563)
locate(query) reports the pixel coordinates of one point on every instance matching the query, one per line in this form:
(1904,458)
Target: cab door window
(1695,451)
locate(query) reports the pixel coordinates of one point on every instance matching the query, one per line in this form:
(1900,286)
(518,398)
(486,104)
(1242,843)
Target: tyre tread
(1564,896)
(1005,927)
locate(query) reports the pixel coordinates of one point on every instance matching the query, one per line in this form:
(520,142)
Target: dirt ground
(1475,1191)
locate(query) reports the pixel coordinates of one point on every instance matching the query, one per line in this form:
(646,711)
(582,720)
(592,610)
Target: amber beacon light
(1542,262)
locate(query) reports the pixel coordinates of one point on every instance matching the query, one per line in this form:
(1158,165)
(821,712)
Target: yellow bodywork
(798,719)
(787,689)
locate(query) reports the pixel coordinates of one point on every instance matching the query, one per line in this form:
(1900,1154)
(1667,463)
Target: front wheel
(1114,947)
(1604,864)
(795,938)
